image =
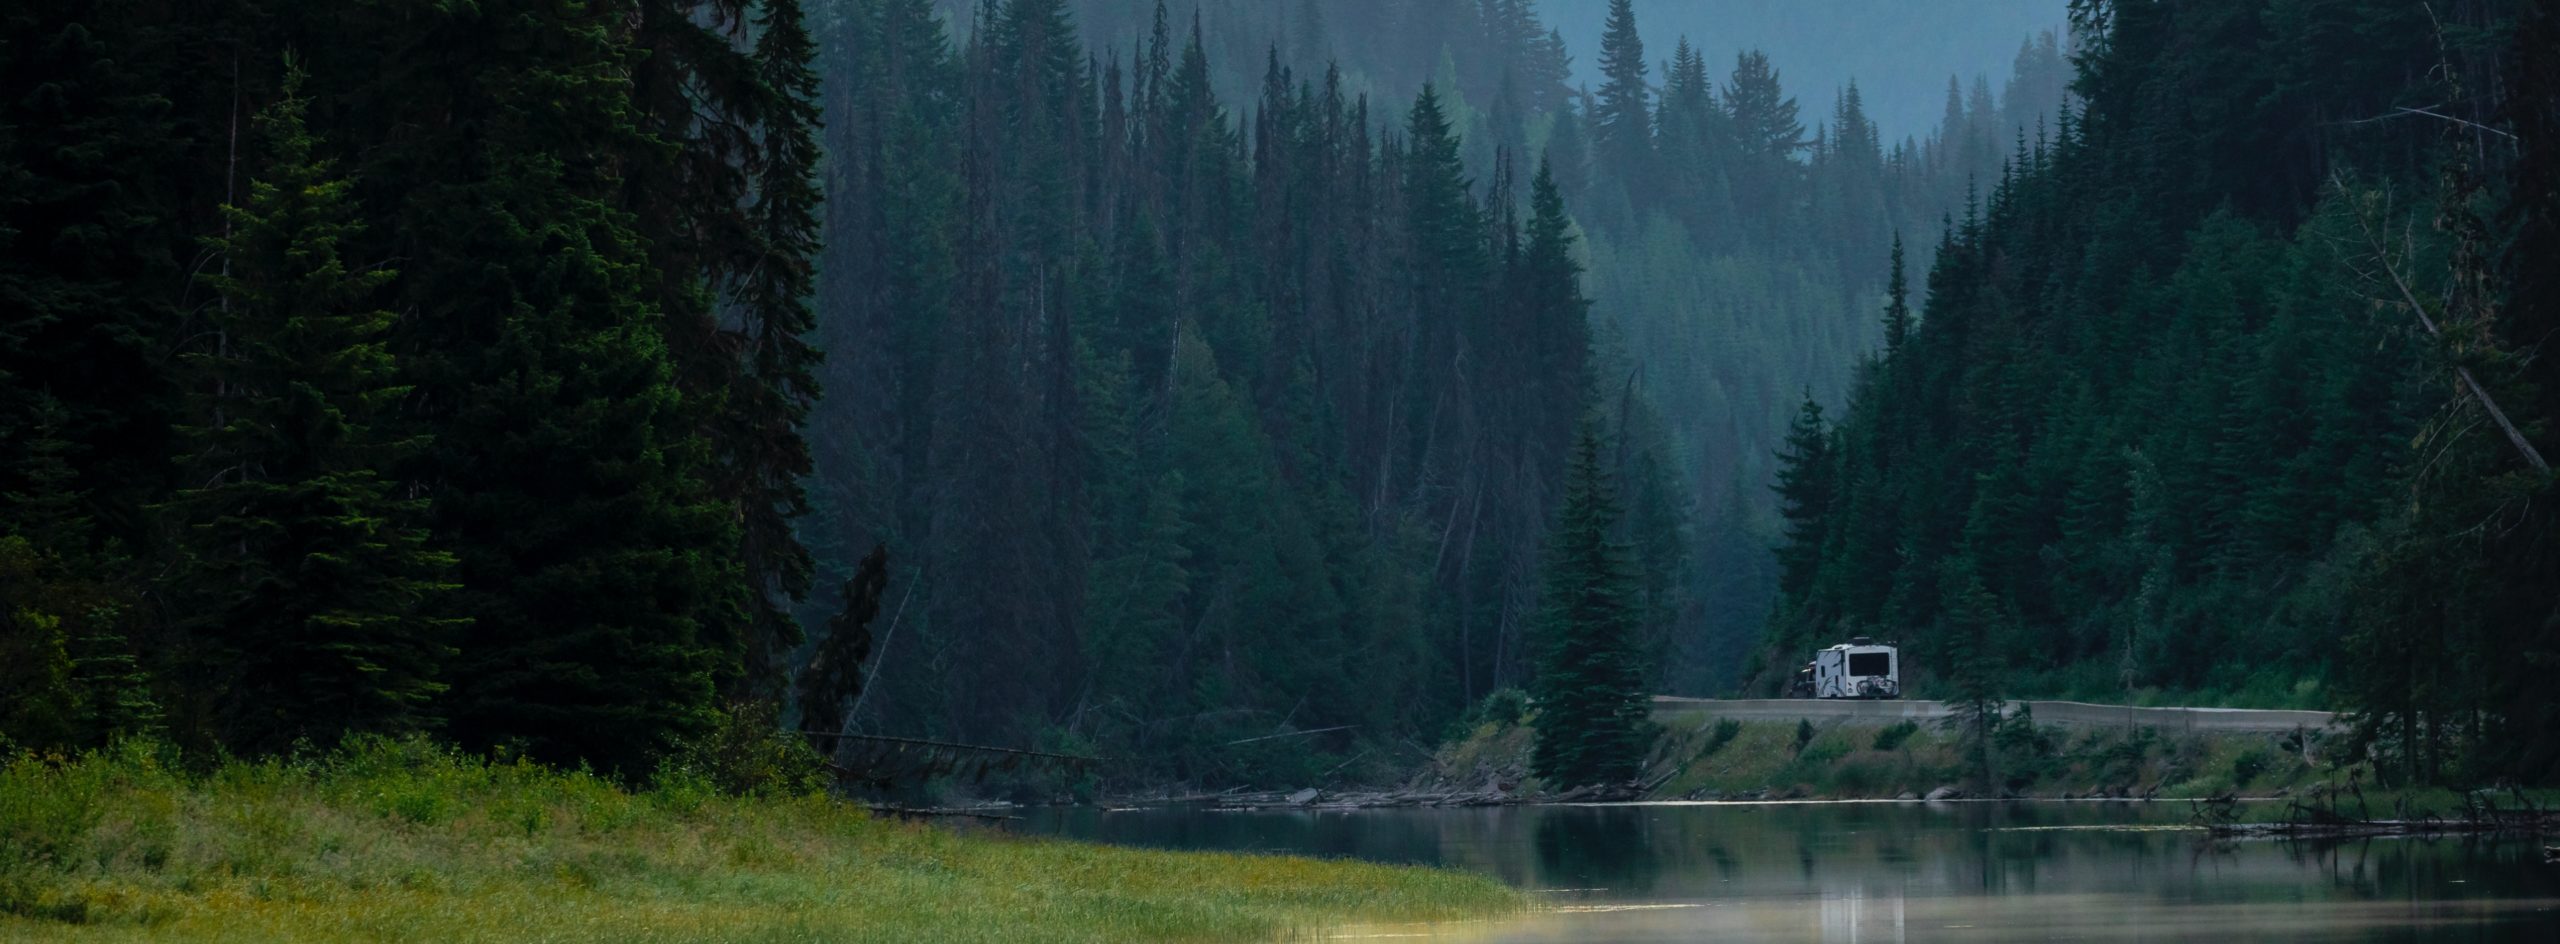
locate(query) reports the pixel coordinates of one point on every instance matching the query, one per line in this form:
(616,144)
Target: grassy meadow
(407,842)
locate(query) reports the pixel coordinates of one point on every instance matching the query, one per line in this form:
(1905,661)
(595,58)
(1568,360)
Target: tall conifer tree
(1592,705)
(1622,120)
(309,563)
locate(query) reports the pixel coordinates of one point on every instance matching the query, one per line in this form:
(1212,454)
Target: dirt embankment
(1737,750)
(2070,714)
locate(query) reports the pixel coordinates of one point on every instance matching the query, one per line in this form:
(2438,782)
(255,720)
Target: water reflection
(1905,872)
(1598,853)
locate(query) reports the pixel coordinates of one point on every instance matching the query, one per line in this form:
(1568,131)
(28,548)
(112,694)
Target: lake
(1889,872)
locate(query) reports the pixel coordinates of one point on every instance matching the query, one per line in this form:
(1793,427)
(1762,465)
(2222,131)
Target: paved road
(1670,710)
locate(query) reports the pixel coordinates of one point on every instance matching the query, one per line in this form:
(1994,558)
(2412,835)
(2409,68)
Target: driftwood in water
(2430,826)
(916,814)
(2320,816)
(1395,799)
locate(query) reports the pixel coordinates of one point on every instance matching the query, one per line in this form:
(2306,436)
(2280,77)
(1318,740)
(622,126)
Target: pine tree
(1556,334)
(777,383)
(311,569)
(1973,697)
(1622,120)
(92,251)
(1807,487)
(598,559)
(1593,710)
(1897,307)
(1766,121)
(73,610)
(1568,155)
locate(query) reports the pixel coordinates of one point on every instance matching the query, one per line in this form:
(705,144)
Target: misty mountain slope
(1900,52)
(1733,273)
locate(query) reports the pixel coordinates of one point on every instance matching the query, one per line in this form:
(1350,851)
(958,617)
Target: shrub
(2247,767)
(1857,778)
(1726,730)
(1892,738)
(1814,757)
(1504,708)
(746,753)
(46,812)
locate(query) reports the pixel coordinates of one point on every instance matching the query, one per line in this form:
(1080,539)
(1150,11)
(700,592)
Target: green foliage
(310,571)
(747,753)
(427,844)
(1892,736)
(2247,767)
(1806,487)
(570,413)
(2134,450)
(1173,487)
(36,700)
(1504,708)
(1724,733)
(1622,119)
(1593,711)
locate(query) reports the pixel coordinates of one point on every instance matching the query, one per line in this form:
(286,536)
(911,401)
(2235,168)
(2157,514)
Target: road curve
(1671,710)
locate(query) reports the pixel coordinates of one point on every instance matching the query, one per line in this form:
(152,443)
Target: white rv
(1859,668)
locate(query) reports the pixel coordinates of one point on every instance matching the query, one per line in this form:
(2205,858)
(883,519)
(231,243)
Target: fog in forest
(1264,391)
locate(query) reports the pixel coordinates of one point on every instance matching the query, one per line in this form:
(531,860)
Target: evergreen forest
(1254,390)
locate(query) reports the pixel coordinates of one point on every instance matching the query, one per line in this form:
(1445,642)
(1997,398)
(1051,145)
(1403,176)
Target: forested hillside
(386,368)
(1191,427)
(1736,237)
(1251,417)
(394,370)
(1739,246)
(1249,391)
(2228,387)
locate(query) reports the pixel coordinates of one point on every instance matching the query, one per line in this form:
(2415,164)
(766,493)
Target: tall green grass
(405,841)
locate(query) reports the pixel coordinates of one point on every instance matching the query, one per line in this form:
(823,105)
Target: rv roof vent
(1862,640)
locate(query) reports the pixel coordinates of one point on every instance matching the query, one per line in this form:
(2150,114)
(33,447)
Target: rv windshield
(1871,663)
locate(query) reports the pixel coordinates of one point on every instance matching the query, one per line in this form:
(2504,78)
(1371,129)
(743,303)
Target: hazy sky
(1899,51)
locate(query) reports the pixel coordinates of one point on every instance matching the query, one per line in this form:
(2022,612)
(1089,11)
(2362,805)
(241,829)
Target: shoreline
(2525,824)
(407,841)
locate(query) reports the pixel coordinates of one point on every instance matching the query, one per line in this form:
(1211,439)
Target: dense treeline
(1194,429)
(377,368)
(1735,237)
(1252,420)
(381,369)
(2197,400)
(1899,51)
(1738,248)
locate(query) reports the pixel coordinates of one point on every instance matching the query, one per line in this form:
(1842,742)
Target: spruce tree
(308,564)
(1622,120)
(1808,483)
(1556,335)
(1897,307)
(1593,711)
(776,375)
(576,476)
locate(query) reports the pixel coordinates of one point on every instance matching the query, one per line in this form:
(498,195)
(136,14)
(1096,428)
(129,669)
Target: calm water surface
(1901,872)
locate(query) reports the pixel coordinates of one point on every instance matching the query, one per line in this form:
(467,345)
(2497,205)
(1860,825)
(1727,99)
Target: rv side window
(1871,663)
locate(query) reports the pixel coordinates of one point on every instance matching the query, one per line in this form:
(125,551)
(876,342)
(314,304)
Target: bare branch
(2409,296)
